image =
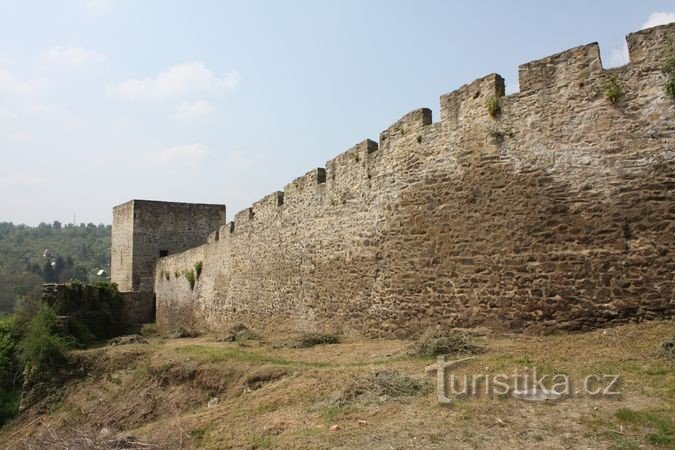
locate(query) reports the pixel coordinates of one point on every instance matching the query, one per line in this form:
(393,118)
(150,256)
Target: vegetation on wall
(76,252)
(190,275)
(612,88)
(493,106)
(669,69)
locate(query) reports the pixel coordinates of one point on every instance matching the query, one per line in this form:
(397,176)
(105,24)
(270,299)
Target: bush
(198,268)
(311,339)
(668,350)
(77,334)
(10,370)
(9,404)
(41,350)
(670,87)
(613,89)
(493,106)
(238,333)
(149,329)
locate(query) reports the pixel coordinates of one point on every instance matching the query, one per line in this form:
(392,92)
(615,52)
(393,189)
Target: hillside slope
(200,393)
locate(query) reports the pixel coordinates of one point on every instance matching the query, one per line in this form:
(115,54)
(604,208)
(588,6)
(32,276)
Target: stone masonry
(554,213)
(143,231)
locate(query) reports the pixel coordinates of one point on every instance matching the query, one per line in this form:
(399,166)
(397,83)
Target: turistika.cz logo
(525,384)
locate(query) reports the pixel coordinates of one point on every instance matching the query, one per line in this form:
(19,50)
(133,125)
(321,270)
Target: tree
(48,274)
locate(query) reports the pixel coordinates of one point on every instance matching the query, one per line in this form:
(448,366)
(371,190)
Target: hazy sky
(102,101)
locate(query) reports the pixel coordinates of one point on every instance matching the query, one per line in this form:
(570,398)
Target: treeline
(75,252)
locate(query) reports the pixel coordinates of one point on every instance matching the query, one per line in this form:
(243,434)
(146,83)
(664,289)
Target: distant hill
(30,256)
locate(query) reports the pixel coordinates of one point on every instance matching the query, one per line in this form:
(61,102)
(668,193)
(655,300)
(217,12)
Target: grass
(382,384)
(261,407)
(257,440)
(223,354)
(658,424)
(308,340)
(190,276)
(430,344)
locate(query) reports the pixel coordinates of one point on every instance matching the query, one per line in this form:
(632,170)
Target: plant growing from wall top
(493,106)
(198,268)
(612,88)
(190,275)
(669,69)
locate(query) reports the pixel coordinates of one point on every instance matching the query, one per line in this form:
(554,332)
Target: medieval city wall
(555,214)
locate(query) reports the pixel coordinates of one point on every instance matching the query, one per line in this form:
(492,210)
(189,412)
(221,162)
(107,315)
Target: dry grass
(375,395)
(434,343)
(382,384)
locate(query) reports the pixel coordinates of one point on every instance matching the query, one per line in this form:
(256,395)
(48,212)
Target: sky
(103,101)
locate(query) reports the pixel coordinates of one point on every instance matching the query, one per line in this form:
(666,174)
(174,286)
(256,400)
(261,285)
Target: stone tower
(144,231)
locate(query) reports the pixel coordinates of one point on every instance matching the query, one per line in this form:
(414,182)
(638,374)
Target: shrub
(613,89)
(669,69)
(493,106)
(668,350)
(669,66)
(10,370)
(311,339)
(670,87)
(41,350)
(431,344)
(238,333)
(149,329)
(190,275)
(198,268)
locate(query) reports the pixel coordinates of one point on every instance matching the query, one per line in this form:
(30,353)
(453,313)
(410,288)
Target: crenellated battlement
(555,71)
(468,102)
(514,216)
(562,72)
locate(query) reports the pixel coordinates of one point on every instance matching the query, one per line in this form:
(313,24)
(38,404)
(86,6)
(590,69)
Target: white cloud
(193,110)
(71,56)
(237,163)
(10,84)
(659,18)
(98,5)
(179,80)
(185,153)
(6,115)
(21,179)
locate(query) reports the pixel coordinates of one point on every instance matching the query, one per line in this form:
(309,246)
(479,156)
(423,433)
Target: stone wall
(555,214)
(101,308)
(145,230)
(122,243)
